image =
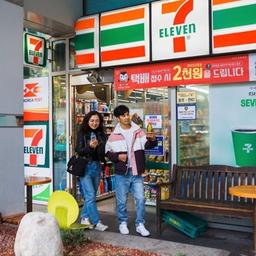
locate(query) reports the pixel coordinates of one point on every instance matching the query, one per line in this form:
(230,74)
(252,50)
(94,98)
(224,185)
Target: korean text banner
(207,71)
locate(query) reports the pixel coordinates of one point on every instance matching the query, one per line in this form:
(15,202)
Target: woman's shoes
(99,226)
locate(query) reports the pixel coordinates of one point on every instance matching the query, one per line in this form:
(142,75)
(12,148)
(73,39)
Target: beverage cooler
(192,125)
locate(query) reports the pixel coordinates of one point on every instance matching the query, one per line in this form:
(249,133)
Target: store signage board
(186,97)
(87,42)
(233,26)
(124,36)
(180,29)
(35,99)
(159,149)
(186,112)
(36,142)
(228,69)
(35,51)
(155,120)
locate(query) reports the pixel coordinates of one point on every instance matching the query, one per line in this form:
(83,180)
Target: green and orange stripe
(122,35)
(234,23)
(85,44)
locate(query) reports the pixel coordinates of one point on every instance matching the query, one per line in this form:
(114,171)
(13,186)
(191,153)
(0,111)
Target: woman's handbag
(76,165)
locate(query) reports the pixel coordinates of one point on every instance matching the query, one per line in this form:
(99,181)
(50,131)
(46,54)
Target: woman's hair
(85,124)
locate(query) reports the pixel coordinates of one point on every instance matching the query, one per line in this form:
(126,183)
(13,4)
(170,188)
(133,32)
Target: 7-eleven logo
(179,31)
(36,52)
(33,147)
(31,90)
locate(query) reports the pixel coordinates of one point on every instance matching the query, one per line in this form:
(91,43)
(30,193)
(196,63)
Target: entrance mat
(8,233)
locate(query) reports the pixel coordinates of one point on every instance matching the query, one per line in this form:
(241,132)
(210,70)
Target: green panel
(43,196)
(234,17)
(122,35)
(157,165)
(92,6)
(84,41)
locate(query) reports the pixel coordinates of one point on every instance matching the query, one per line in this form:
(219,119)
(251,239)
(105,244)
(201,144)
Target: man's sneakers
(123,228)
(100,227)
(142,230)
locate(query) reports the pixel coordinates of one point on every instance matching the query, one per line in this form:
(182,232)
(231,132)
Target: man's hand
(94,143)
(122,157)
(151,136)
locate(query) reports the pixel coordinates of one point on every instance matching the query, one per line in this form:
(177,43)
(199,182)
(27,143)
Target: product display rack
(156,172)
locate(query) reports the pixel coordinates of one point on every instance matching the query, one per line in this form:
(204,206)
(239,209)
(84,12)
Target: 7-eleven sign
(35,50)
(35,143)
(180,28)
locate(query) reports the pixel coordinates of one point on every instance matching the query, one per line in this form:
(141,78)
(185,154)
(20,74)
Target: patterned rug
(8,233)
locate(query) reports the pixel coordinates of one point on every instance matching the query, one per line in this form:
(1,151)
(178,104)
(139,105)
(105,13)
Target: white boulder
(38,235)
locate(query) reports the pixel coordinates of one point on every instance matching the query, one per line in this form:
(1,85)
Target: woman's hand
(94,143)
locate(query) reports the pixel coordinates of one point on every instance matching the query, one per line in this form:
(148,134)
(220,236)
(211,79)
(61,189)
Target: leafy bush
(73,237)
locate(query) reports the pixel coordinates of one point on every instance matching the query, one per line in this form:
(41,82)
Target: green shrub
(73,237)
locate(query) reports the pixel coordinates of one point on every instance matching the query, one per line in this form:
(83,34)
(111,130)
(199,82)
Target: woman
(91,142)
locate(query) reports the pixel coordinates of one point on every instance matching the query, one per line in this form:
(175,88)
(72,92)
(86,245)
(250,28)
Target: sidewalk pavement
(164,248)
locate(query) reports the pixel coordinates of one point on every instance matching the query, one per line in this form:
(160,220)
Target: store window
(72,54)
(59,132)
(193,125)
(59,55)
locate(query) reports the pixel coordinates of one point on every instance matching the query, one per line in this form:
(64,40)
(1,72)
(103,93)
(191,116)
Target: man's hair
(121,110)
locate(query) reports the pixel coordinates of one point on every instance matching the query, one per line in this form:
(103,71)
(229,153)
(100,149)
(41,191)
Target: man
(125,148)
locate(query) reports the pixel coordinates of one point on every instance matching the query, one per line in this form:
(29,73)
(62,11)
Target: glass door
(192,125)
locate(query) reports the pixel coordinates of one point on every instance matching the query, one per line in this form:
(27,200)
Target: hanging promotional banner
(36,144)
(124,36)
(229,69)
(35,51)
(87,42)
(233,26)
(180,29)
(36,99)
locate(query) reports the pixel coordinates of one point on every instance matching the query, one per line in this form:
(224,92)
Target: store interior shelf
(150,203)
(105,196)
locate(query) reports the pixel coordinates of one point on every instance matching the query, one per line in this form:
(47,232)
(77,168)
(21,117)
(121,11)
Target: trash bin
(244,141)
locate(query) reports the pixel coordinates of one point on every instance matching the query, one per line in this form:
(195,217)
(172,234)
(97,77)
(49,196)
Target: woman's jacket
(83,146)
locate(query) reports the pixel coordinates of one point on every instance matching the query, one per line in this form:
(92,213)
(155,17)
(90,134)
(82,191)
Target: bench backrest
(210,182)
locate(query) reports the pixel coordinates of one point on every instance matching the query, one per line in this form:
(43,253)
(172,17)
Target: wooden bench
(204,189)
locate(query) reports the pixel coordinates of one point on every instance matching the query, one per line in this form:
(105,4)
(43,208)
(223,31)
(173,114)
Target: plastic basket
(185,222)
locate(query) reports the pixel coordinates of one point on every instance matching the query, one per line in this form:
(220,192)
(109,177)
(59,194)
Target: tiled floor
(238,243)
